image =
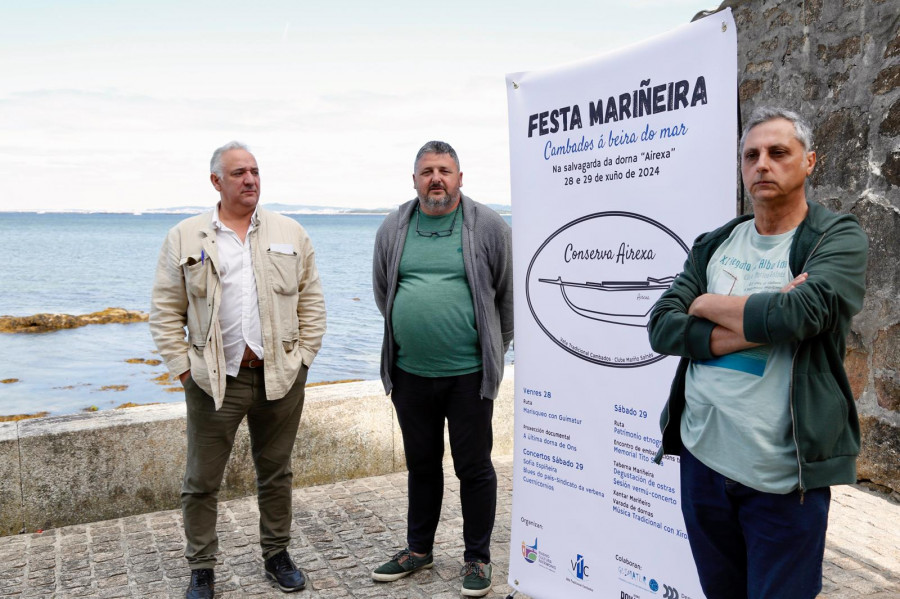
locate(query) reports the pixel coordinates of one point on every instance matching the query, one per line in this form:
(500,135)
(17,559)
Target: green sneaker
(402,564)
(476,579)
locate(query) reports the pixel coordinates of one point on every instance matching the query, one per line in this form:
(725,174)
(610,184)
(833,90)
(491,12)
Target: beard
(437,204)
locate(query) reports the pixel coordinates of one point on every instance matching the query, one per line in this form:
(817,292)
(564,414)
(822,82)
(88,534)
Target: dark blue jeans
(422,405)
(750,544)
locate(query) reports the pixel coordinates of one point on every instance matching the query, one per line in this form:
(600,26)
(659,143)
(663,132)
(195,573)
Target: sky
(118,105)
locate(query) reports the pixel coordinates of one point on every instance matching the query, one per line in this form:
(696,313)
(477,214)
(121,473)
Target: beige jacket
(187,292)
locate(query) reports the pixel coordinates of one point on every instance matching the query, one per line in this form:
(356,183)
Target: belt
(253,363)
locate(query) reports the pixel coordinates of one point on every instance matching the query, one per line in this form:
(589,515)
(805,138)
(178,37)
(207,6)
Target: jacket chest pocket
(283,272)
(195,275)
(283,277)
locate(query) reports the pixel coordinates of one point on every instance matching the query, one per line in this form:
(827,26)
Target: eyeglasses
(446,233)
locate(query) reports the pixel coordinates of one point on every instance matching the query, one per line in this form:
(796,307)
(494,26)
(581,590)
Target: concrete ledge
(82,468)
(11,517)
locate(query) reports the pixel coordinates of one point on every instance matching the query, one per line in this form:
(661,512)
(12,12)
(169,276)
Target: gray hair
(764,114)
(215,163)
(436,147)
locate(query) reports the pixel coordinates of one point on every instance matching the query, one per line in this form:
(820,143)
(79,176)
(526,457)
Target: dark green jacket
(815,316)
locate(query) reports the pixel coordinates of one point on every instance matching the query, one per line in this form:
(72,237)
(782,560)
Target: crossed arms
(727,312)
(831,256)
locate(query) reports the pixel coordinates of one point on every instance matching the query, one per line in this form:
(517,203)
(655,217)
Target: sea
(78,263)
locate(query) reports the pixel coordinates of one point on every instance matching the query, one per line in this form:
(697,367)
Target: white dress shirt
(239,311)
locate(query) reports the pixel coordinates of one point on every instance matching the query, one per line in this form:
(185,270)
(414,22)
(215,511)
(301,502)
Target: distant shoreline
(280,208)
(379,212)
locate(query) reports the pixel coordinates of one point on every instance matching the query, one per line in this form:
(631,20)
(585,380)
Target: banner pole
(740,129)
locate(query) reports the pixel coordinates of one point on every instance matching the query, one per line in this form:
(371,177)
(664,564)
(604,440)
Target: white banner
(617,164)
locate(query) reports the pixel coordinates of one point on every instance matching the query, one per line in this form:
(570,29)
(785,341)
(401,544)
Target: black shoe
(286,575)
(203,584)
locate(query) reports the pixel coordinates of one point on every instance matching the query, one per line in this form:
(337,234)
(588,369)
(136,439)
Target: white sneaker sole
(392,577)
(476,592)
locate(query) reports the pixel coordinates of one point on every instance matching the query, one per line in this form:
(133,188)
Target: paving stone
(342,531)
(143,578)
(114,592)
(12,583)
(156,590)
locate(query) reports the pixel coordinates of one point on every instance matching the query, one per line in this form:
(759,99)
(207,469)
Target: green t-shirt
(433,317)
(737,415)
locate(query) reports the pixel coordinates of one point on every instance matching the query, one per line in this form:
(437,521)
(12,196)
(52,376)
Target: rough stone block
(10,480)
(890,126)
(886,80)
(836,83)
(759,67)
(843,50)
(812,11)
(842,145)
(399,456)
(777,17)
(90,467)
(749,88)
(890,169)
(812,88)
(879,460)
(893,47)
(348,435)
(881,305)
(856,363)
(504,416)
(886,364)
(503,421)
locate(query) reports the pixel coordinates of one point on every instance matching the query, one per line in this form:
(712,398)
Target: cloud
(122,108)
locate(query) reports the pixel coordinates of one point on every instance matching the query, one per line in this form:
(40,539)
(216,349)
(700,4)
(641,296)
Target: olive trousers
(210,437)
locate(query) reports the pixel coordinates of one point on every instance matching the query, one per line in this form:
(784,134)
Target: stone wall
(837,62)
(82,468)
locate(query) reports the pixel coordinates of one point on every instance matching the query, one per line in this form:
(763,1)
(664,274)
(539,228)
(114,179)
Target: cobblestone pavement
(342,531)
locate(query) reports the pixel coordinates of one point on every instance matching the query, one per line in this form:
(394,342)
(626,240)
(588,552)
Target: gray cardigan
(487,257)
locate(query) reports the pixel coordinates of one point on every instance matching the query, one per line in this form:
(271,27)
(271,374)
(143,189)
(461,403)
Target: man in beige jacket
(243,281)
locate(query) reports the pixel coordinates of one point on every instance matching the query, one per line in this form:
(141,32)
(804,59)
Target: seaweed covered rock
(43,323)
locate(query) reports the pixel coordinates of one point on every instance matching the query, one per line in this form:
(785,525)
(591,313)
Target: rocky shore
(44,323)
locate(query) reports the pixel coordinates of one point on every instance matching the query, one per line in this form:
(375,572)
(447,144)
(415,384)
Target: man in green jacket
(760,411)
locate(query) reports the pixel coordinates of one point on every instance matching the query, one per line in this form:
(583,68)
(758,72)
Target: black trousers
(422,405)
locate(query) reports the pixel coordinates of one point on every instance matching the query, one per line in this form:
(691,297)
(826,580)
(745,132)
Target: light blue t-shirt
(737,417)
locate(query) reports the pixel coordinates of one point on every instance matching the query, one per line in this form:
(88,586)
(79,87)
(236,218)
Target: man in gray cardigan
(442,276)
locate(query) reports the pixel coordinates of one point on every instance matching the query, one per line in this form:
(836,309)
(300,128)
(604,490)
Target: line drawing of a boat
(617,302)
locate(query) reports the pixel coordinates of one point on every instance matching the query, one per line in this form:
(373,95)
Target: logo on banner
(635,578)
(631,572)
(529,552)
(592,284)
(579,568)
(670,592)
(579,573)
(532,555)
